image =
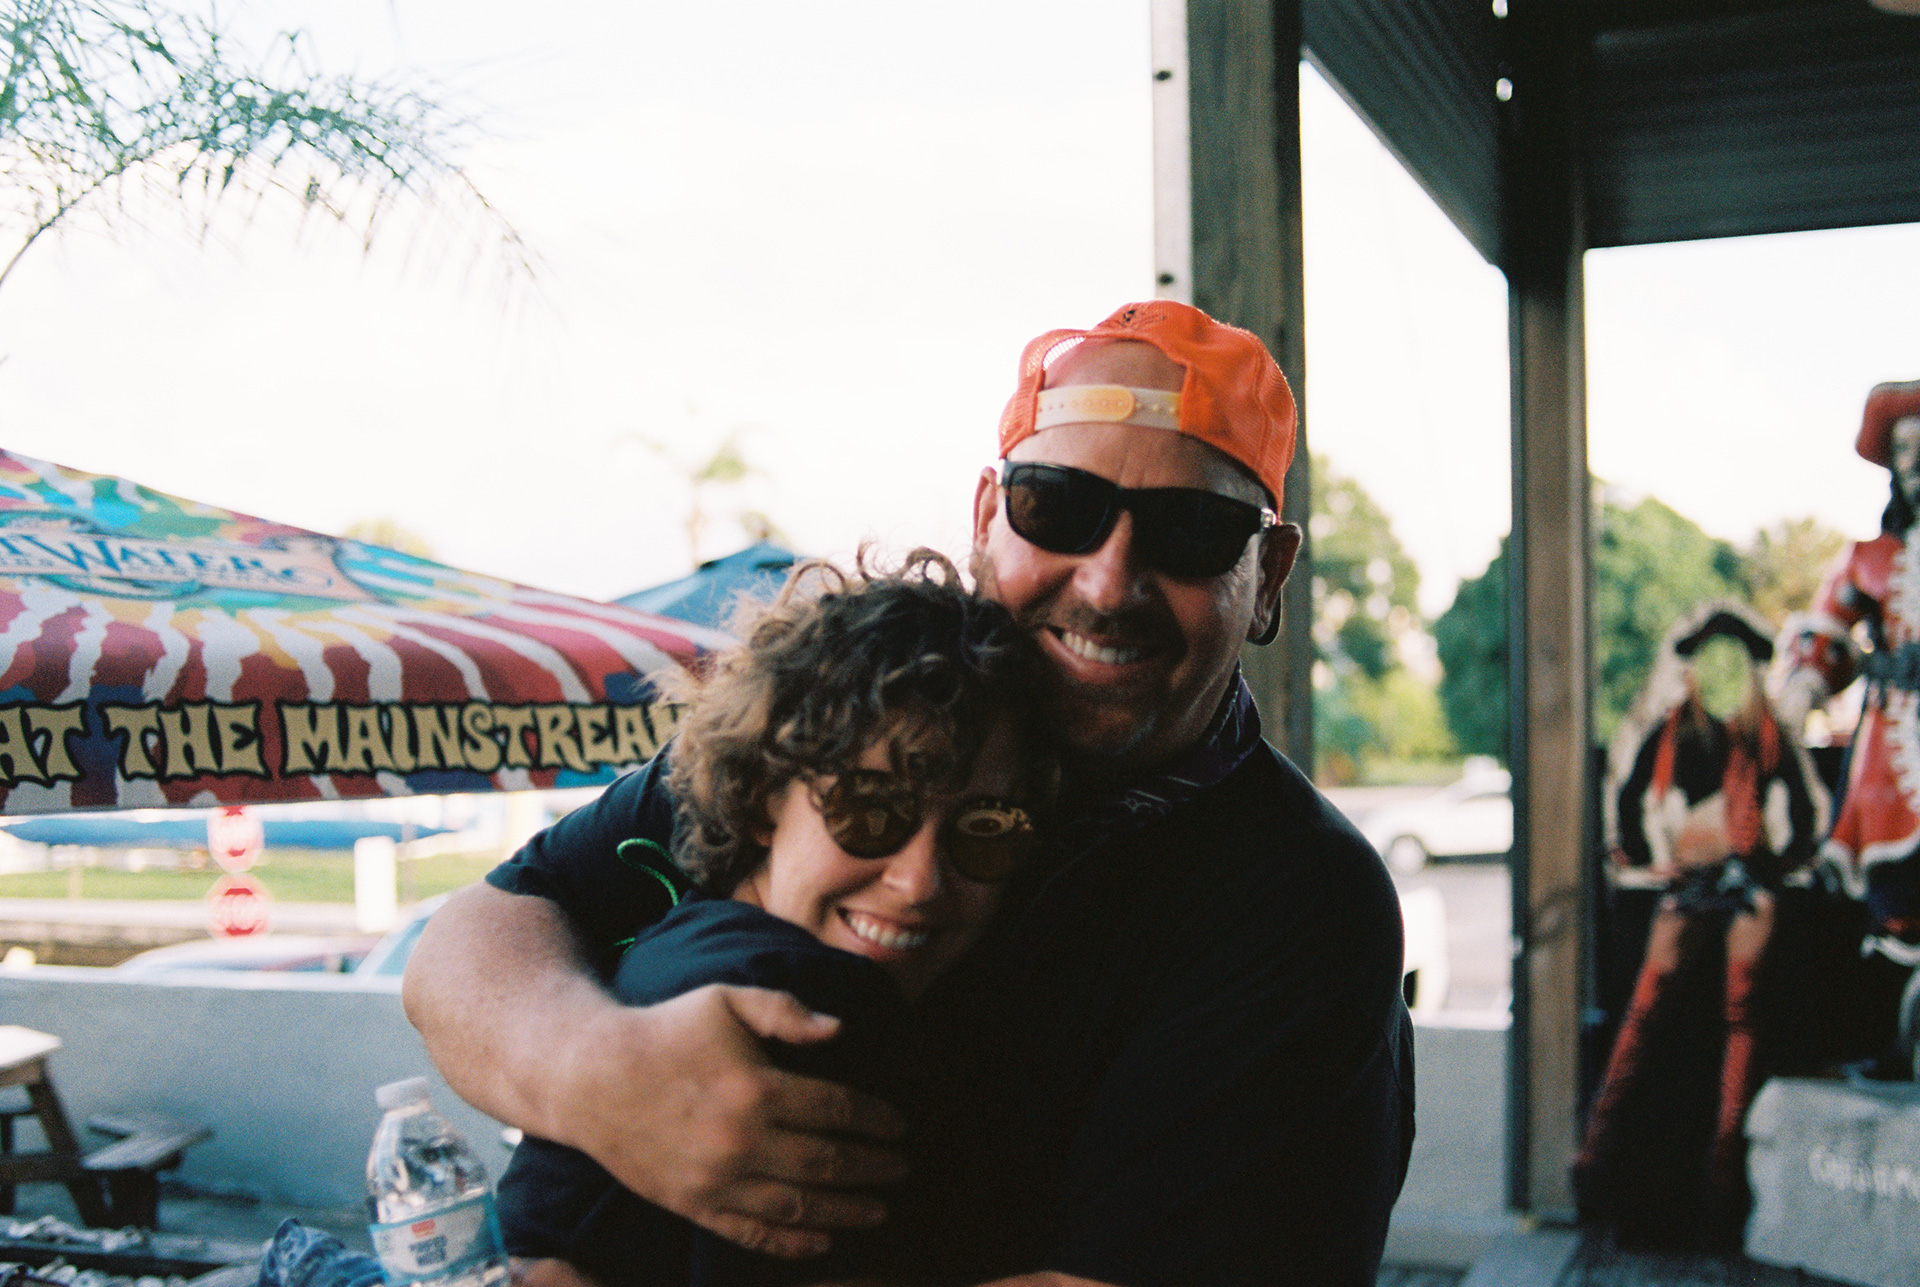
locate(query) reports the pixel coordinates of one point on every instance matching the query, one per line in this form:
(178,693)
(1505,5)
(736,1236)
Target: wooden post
(1548,613)
(1227,238)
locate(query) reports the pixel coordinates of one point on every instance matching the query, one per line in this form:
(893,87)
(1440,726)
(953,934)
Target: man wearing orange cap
(1181,1056)
(1875,845)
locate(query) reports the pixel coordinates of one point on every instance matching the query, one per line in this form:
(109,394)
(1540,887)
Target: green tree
(1365,586)
(107,102)
(1650,565)
(1471,637)
(1783,565)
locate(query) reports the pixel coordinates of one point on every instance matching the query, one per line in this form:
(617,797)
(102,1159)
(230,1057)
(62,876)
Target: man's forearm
(499,994)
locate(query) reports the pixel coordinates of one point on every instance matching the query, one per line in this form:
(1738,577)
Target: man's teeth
(887,936)
(1082,646)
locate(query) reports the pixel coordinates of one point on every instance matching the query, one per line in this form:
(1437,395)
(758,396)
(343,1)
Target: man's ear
(986,503)
(1279,547)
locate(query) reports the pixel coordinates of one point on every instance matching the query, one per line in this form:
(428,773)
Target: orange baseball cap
(1887,403)
(1233,396)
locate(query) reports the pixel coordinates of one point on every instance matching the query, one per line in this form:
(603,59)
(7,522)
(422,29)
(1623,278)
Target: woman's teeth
(884,935)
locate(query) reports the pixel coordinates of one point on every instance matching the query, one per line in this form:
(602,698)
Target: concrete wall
(283,1068)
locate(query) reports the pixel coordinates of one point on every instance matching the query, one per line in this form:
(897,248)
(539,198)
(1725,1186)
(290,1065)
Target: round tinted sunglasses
(872,814)
(1181,531)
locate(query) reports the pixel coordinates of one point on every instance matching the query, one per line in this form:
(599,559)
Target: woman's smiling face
(910,911)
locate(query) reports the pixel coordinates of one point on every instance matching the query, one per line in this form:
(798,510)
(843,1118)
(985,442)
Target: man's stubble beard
(1092,752)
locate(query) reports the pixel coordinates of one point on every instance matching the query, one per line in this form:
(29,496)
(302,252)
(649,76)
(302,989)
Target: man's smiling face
(1141,659)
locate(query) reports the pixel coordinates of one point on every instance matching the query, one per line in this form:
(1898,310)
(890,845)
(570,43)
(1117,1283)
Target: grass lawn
(290,875)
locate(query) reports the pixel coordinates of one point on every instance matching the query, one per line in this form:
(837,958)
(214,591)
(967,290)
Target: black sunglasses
(1181,531)
(872,814)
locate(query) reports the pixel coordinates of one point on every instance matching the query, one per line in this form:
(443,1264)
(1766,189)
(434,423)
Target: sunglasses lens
(1189,533)
(1181,531)
(869,814)
(1061,510)
(988,840)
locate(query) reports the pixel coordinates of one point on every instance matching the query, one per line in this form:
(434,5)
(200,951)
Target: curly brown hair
(836,662)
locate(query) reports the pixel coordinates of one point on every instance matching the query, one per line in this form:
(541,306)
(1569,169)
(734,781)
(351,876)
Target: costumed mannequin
(1875,846)
(1715,813)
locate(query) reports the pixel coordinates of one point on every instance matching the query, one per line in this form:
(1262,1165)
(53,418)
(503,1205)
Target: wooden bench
(130,1166)
(112,1186)
(23,1063)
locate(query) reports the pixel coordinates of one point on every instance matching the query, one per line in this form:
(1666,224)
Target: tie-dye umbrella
(156,651)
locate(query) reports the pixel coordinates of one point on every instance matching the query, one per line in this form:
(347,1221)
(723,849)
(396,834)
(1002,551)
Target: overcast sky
(828,229)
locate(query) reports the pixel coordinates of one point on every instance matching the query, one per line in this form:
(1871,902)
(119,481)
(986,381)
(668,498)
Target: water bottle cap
(410,1090)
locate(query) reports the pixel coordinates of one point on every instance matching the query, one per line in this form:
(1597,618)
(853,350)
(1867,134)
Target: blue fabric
(298,1256)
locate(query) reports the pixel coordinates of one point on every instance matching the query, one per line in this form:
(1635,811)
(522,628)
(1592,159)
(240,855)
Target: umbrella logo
(78,556)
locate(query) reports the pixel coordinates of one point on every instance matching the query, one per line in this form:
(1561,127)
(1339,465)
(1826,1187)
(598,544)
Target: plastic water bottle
(429,1206)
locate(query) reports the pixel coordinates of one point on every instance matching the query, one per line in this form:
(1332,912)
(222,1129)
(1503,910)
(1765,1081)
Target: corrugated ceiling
(1772,121)
(1422,75)
(1700,118)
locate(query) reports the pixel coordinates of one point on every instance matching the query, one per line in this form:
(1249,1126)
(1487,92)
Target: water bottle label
(448,1242)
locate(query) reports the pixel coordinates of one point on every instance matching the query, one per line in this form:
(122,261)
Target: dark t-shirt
(1179,1057)
(557,1201)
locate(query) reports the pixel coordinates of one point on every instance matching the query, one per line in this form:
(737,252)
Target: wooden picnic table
(23,1063)
(111,1186)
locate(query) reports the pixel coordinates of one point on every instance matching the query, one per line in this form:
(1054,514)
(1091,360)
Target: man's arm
(676,1100)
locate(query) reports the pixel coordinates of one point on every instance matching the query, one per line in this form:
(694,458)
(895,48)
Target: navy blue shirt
(557,1201)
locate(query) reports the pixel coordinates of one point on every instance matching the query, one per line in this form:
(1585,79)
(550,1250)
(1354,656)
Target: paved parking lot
(1477,897)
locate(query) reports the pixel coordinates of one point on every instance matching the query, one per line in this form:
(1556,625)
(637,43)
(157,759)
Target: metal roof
(1695,118)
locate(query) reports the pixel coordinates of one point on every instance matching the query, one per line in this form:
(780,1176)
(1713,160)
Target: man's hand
(676,1100)
(546,1273)
(679,1102)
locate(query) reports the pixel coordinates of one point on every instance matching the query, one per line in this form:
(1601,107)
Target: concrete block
(1835,1171)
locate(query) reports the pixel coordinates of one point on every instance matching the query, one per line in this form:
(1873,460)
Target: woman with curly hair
(854,784)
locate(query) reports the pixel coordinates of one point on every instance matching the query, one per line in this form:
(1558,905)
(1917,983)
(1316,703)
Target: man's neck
(1089,776)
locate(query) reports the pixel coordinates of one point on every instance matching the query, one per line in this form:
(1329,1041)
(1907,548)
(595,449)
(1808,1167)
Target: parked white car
(1425,972)
(302,953)
(1473,818)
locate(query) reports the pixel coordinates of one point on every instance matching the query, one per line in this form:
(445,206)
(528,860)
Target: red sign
(234,838)
(237,906)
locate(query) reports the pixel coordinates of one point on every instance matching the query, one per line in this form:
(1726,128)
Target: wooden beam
(1228,239)
(1548,610)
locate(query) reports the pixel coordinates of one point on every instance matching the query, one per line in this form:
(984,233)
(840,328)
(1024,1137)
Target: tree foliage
(1471,636)
(105,102)
(1365,589)
(1650,565)
(1784,564)
(1365,585)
